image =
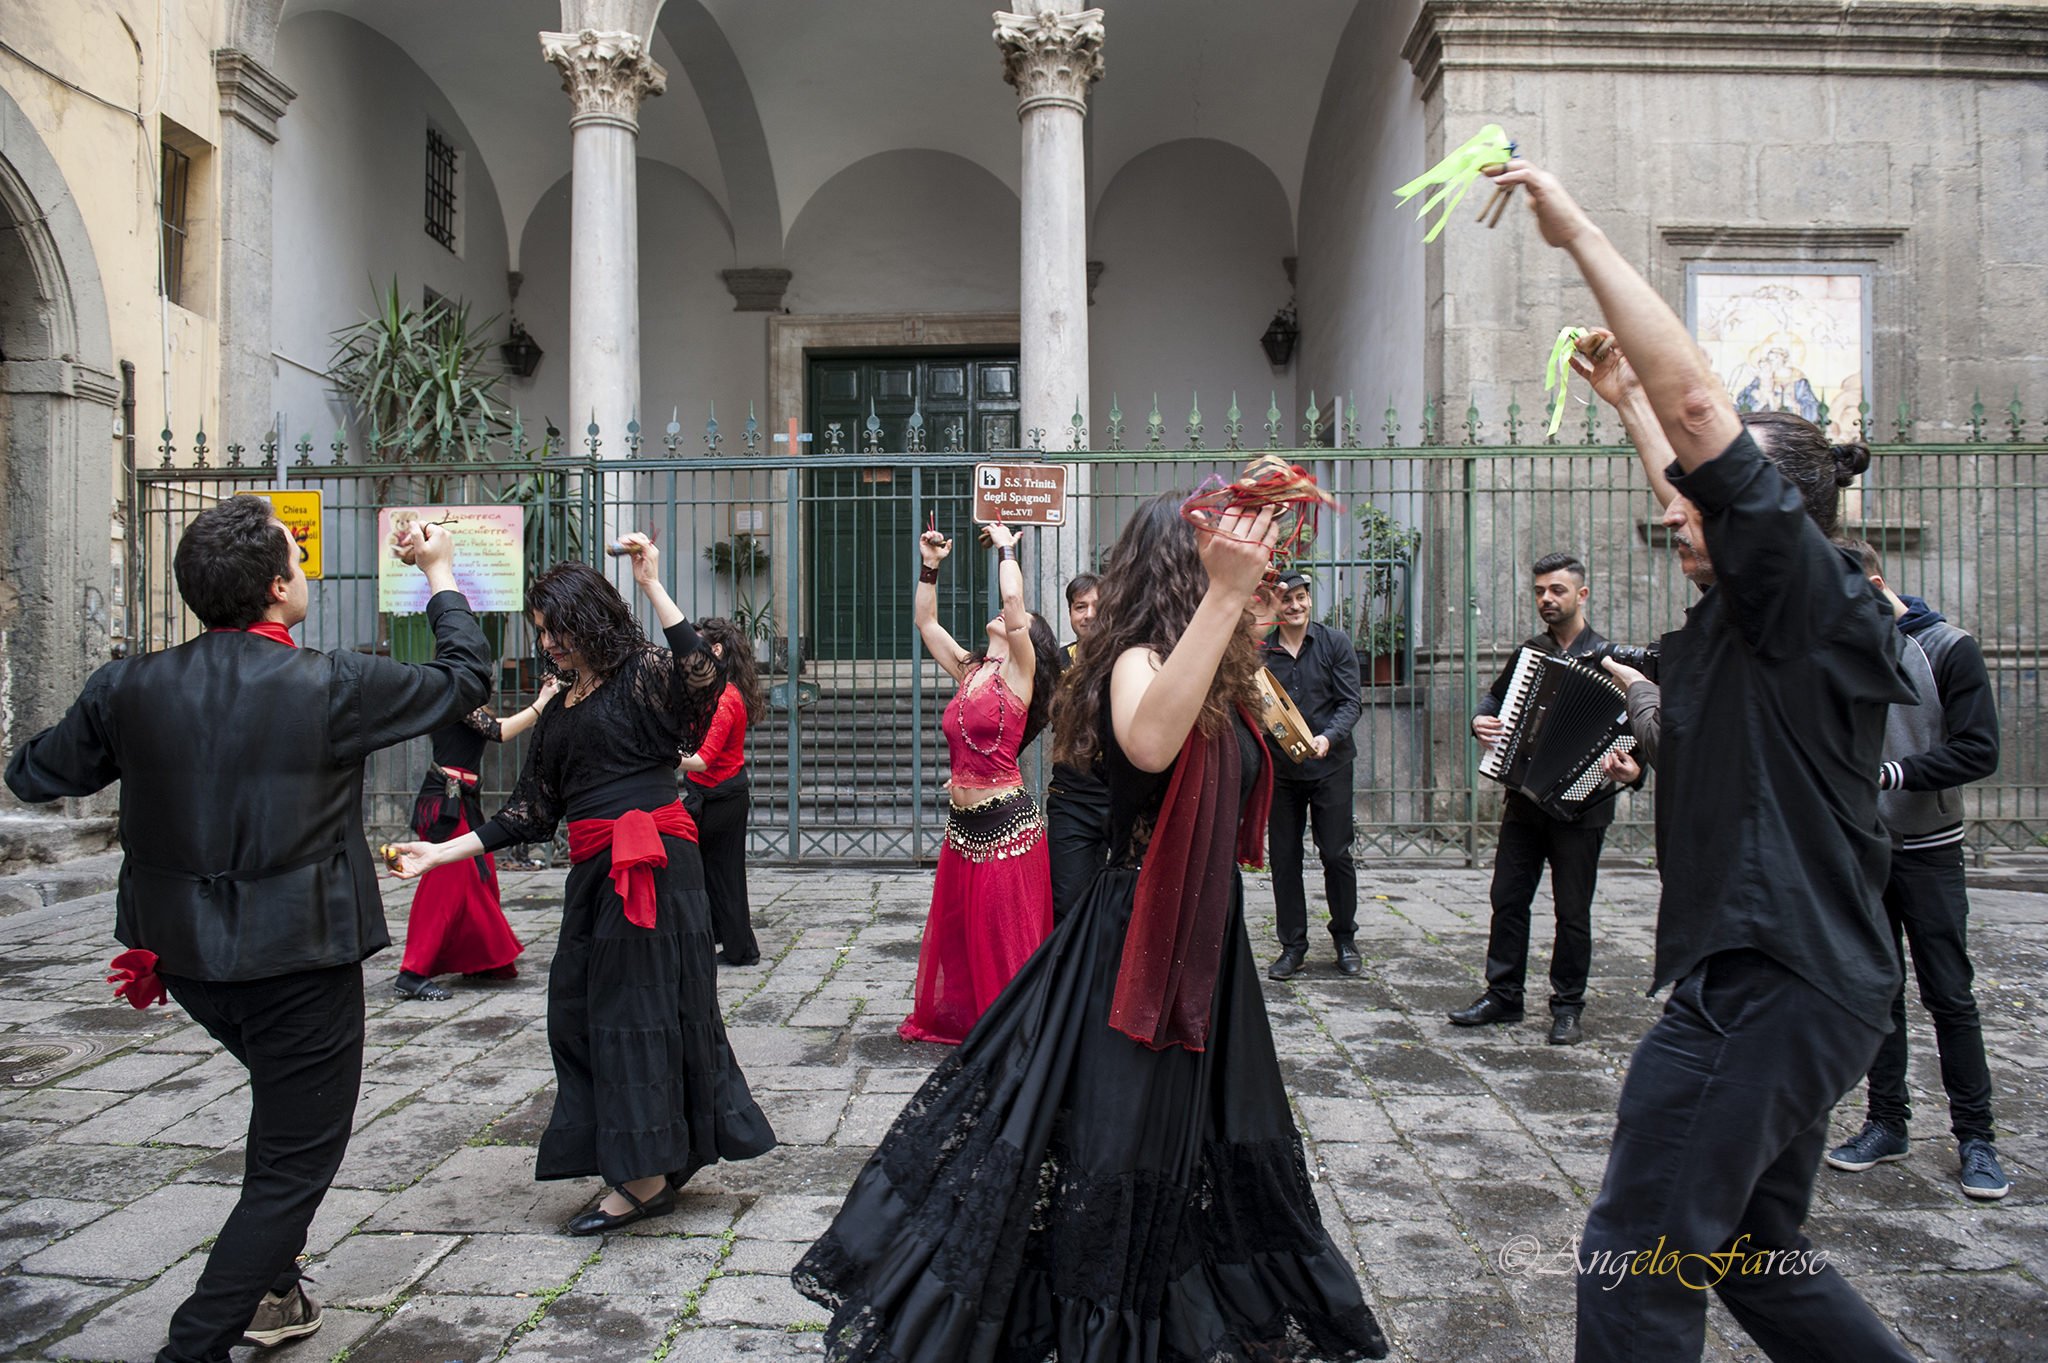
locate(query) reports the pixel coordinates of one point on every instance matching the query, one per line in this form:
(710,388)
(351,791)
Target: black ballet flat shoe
(411,986)
(597,1220)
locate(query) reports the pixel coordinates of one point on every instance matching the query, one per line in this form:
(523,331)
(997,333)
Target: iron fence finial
(1195,422)
(1233,425)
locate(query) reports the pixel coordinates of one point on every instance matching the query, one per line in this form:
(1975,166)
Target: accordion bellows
(1559,718)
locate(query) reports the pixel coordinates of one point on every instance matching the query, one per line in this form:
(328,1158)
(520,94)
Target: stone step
(28,840)
(39,887)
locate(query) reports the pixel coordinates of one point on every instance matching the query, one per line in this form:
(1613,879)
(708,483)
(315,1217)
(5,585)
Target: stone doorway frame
(794,337)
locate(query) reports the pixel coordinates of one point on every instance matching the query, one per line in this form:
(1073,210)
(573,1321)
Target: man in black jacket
(1774,701)
(1318,668)
(1529,837)
(246,872)
(1931,750)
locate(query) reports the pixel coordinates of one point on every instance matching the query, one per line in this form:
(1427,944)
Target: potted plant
(420,381)
(1383,550)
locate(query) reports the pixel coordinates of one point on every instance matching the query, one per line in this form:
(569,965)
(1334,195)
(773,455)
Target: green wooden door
(862,523)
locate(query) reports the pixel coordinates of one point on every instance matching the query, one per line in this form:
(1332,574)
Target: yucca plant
(418,382)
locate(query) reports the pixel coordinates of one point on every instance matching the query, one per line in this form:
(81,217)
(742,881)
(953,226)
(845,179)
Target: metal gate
(1427,571)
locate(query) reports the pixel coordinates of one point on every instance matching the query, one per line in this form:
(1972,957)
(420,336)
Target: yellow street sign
(300,512)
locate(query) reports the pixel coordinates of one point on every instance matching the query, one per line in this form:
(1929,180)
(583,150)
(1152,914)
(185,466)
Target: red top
(983,730)
(724,748)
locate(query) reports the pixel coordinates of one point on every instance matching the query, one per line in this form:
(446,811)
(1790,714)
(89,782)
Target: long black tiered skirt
(1057,1189)
(645,1080)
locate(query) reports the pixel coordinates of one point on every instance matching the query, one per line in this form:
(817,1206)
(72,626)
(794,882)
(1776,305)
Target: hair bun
(1850,460)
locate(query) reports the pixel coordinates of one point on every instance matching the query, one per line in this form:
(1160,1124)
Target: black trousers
(1574,857)
(1929,907)
(301,1037)
(1719,1134)
(1077,844)
(1325,805)
(721,815)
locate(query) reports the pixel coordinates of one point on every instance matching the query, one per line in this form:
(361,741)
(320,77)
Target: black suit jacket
(241,769)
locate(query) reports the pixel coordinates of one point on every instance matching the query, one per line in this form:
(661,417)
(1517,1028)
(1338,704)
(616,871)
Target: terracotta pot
(1379,669)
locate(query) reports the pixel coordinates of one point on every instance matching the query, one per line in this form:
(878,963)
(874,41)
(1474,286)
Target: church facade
(767,207)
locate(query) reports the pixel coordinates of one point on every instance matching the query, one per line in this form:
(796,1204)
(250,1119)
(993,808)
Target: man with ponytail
(1775,695)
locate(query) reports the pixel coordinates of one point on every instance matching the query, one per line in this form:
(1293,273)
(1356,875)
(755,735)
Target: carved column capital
(605,74)
(1051,58)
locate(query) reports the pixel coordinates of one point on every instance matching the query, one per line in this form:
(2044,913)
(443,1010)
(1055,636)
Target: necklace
(1002,716)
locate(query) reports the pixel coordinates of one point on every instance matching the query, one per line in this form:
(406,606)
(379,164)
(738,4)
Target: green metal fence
(1427,570)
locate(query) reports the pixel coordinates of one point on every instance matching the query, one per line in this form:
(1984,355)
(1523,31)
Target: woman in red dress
(992,901)
(716,793)
(456,925)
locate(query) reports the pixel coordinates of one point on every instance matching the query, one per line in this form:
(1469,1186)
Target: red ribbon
(1173,947)
(134,978)
(635,842)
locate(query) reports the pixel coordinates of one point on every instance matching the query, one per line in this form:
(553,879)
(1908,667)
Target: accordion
(1560,717)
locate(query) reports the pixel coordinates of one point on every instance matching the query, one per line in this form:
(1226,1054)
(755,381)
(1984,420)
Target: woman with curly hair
(1107,1170)
(992,897)
(647,1090)
(715,789)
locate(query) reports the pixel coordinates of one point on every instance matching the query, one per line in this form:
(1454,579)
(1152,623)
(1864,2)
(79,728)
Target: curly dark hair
(227,559)
(1048,660)
(1152,582)
(736,667)
(575,603)
(1802,453)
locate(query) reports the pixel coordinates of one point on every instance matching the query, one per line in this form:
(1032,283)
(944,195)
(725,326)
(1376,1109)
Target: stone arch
(721,84)
(57,400)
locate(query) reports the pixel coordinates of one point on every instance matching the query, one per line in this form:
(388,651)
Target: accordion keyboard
(1527,668)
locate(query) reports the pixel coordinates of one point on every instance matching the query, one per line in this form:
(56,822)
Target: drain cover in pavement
(33,1059)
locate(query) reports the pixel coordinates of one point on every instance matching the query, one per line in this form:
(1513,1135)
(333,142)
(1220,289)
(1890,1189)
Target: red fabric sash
(134,978)
(269,629)
(1167,980)
(635,842)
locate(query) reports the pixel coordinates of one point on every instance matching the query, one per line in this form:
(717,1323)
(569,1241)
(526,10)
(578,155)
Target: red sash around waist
(635,842)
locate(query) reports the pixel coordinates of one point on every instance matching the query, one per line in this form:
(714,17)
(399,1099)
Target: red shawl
(634,839)
(1175,940)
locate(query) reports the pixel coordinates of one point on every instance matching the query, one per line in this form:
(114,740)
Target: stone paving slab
(1431,1147)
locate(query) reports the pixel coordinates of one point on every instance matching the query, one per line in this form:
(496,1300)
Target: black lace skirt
(1058,1190)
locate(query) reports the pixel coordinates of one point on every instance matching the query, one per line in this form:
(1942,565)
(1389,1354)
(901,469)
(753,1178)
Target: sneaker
(1982,1176)
(1874,1144)
(282,1317)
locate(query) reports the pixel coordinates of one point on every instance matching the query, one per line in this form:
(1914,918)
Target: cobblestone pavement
(1433,1148)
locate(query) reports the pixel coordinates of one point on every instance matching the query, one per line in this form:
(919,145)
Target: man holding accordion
(1530,836)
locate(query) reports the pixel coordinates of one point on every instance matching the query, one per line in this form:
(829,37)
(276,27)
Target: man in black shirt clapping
(1529,837)
(1318,667)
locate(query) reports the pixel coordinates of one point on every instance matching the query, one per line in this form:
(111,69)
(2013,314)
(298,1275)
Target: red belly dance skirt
(991,907)
(456,924)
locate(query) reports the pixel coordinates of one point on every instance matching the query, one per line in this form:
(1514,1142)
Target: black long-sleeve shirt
(615,747)
(1322,681)
(1774,702)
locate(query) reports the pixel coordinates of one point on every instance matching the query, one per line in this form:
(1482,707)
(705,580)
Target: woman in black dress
(1106,1171)
(647,1091)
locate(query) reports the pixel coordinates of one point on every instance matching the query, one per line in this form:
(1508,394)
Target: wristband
(1006,553)
(928,573)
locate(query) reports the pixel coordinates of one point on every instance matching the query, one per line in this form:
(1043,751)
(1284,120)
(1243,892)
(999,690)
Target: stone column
(252,100)
(606,75)
(1052,53)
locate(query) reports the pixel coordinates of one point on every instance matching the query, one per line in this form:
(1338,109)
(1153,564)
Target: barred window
(440,189)
(177,182)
